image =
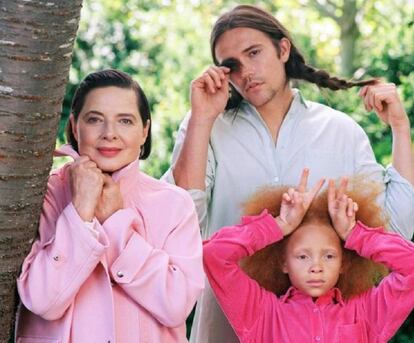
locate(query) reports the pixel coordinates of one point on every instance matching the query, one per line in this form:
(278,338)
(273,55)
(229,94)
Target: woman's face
(313,259)
(109,129)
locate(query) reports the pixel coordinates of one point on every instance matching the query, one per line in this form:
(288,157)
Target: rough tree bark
(36,41)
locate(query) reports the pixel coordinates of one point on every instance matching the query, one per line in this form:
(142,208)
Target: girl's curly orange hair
(359,274)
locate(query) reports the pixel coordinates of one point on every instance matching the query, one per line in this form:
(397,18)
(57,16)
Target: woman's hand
(383,98)
(110,200)
(210,93)
(295,204)
(86,183)
(341,208)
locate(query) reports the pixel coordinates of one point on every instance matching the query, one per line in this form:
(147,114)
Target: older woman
(118,256)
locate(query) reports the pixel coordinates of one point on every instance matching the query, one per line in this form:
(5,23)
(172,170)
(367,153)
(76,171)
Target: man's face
(313,259)
(259,73)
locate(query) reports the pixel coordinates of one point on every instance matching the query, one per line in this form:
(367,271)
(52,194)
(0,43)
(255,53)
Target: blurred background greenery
(164,44)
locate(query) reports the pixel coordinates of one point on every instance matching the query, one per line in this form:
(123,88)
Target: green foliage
(391,58)
(405,334)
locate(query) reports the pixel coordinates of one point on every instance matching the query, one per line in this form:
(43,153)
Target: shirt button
(317,338)
(56,258)
(120,274)
(315,310)
(275,179)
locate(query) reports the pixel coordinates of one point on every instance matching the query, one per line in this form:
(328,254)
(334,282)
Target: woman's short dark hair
(110,78)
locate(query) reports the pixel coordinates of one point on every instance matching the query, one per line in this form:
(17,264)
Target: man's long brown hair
(359,274)
(296,67)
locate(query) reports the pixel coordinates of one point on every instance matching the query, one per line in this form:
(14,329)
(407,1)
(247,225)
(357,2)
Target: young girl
(118,258)
(328,294)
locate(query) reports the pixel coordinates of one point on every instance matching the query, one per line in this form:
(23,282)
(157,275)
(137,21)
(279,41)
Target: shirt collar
(298,94)
(298,105)
(299,102)
(333,296)
(127,172)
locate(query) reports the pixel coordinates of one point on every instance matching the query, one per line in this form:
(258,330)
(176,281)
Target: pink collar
(333,296)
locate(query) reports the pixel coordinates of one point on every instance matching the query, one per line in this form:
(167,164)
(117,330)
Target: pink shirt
(258,315)
(135,281)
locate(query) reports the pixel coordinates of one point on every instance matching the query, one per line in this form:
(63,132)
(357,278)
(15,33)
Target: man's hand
(383,98)
(210,93)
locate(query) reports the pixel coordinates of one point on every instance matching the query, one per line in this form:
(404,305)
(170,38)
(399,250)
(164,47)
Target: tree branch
(328,11)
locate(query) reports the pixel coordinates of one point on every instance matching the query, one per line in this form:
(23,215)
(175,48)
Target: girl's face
(313,259)
(109,129)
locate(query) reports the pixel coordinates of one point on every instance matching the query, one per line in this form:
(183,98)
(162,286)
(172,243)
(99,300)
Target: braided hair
(296,66)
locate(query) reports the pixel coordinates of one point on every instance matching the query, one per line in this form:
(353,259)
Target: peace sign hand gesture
(295,204)
(342,209)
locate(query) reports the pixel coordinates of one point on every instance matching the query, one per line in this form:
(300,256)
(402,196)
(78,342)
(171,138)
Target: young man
(267,133)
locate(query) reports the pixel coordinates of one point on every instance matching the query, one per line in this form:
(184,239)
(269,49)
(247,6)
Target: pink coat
(136,282)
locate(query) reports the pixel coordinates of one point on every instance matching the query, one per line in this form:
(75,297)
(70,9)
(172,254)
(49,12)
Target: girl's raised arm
(241,298)
(387,305)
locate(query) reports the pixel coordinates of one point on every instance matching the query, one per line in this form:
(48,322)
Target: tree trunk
(36,41)
(348,26)
(349,37)
(348,40)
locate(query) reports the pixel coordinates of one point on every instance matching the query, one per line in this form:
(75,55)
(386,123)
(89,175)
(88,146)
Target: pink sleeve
(387,305)
(60,260)
(240,297)
(165,281)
